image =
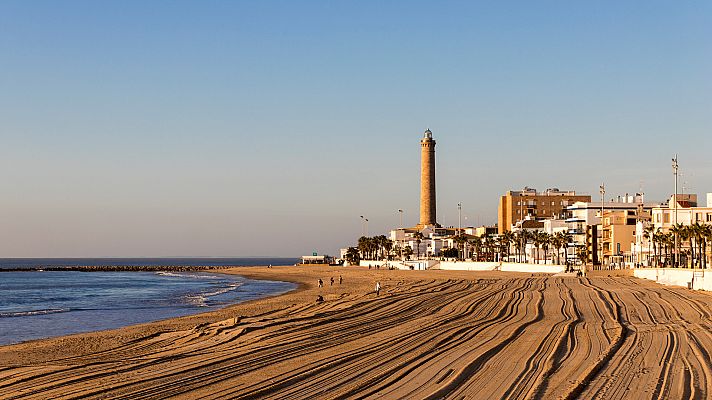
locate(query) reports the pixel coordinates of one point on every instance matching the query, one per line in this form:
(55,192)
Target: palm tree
(684,234)
(582,254)
(678,230)
(488,244)
(706,236)
(460,241)
(518,240)
(508,239)
(560,240)
(476,243)
(545,242)
(648,233)
(538,237)
(352,255)
(418,236)
(669,244)
(407,252)
(363,246)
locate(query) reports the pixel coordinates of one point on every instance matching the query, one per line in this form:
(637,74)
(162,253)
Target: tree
(476,243)
(488,244)
(677,229)
(545,242)
(538,239)
(706,236)
(507,239)
(460,241)
(560,241)
(648,233)
(352,256)
(582,254)
(418,236)
(407,252)
(450,253)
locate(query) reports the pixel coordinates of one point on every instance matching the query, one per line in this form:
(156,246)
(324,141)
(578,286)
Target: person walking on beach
(378,288)
(331,282)
(321,283)
(340,279)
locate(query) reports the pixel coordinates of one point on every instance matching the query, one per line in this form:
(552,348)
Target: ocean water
(20,263)
(41,304)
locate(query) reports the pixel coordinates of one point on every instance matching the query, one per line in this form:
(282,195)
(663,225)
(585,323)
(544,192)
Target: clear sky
(225,128)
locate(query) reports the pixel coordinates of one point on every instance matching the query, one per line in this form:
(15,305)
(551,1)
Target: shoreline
(429,334)
(306,291)
(226,270)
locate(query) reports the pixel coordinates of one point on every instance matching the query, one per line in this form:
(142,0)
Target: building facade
(518,205)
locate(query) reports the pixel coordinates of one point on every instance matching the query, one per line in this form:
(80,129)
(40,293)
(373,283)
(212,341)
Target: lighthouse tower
(427,180)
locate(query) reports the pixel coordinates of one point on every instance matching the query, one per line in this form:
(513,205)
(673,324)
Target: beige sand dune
(429,335)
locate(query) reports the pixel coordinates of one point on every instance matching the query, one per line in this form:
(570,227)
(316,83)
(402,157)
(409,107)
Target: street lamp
(602,190)
(459,218)
(365,225)
(400,212)
(674,171)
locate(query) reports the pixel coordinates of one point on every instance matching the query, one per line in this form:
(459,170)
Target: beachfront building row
(430,241)
(631,233)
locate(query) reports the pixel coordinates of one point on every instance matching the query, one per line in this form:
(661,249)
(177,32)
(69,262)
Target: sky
(267,128)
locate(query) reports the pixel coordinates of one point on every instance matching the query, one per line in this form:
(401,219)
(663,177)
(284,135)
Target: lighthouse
(427,180)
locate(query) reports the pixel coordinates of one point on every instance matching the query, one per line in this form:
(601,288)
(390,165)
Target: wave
(32,312)
(193,276)
(200,299)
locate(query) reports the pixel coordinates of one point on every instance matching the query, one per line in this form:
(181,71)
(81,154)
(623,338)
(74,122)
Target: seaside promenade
(429,335)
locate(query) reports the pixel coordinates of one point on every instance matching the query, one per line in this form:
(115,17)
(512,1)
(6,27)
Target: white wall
(417,265)
(693,279)
(533,268)
(468,266)
(494,266)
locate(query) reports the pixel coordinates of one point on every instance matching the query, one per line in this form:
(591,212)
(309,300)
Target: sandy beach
(428,335)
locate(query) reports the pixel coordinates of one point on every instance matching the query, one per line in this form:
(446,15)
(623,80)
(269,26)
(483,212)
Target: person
(340,279)
(331,281)
(321,283)
(378,288)
(319,299)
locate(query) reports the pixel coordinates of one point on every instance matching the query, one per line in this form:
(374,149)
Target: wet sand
(429,335)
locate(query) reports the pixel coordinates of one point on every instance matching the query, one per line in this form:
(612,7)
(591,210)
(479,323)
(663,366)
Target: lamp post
(400,212)
(522,244)
(602,190)
(459,218)
(365,225)
(674,171)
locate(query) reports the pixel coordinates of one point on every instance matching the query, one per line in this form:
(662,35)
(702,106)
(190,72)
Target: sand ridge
(429,335)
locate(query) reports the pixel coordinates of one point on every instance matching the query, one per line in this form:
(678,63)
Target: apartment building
(551,204)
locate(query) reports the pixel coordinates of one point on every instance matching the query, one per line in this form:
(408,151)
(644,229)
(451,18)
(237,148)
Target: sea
(37,304)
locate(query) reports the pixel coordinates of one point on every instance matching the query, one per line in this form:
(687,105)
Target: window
(666,218)
(518,203)
(552,203)
(709,217)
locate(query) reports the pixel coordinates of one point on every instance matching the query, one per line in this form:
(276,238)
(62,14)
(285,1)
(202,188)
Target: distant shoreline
(124,268)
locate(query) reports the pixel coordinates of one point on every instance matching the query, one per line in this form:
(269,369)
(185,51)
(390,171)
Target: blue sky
(266,128)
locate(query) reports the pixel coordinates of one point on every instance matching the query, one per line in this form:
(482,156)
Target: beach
(427,335)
